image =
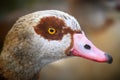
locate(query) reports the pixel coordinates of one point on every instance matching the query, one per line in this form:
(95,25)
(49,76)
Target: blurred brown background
(100,20)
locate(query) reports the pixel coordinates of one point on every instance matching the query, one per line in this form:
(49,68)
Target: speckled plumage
(25,52)
(29,45)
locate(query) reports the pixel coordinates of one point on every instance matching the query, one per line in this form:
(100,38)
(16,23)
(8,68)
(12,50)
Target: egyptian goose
(42,37)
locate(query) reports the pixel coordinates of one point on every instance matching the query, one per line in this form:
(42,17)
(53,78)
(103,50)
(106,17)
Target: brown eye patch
(55,23)
(50,22)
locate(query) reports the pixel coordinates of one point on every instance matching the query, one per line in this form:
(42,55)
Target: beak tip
(110,59)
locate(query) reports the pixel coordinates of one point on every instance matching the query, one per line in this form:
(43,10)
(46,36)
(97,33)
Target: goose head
(42,37)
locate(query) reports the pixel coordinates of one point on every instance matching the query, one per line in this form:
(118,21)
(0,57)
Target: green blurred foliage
(7,6)
(10,5)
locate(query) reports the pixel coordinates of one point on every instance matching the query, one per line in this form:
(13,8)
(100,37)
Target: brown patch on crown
(53,22)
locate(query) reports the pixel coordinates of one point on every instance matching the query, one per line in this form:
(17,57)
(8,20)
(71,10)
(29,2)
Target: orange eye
(51,30)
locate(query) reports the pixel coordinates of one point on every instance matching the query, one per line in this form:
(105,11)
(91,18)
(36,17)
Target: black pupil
(86,46)
(51,30)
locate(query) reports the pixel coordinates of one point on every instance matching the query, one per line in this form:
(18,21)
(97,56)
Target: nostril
(86,46)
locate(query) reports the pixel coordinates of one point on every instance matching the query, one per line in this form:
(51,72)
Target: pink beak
(82,47)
